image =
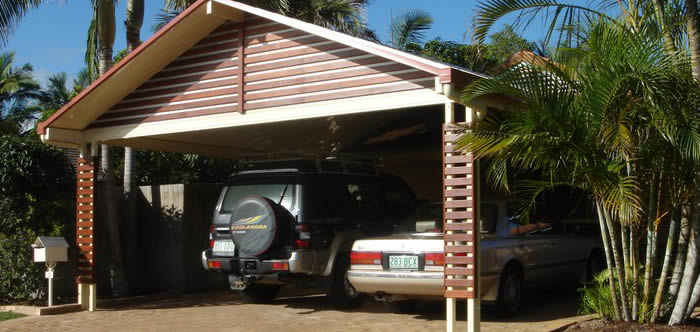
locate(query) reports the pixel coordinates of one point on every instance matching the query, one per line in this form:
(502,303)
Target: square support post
(85,230)
(461,224)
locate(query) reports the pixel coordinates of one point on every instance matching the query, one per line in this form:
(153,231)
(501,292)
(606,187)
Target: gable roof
(196,22)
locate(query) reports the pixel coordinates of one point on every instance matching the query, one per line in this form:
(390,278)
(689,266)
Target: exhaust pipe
(380,296)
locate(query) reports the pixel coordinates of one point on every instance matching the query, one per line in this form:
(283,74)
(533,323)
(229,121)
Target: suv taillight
(304,239)
(212,229)
(365,258)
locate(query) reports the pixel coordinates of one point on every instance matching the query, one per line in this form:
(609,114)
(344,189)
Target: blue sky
(52,38)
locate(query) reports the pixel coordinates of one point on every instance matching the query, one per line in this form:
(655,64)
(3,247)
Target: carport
(229,80)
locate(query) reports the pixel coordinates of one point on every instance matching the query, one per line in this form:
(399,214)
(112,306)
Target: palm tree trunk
(670,245)
(634,262)
(682,250)
(608,259)
(651,241)
(625,246)
(660,17)
(689,273)
(133,24)
(694,299)
(619,267)
(106,32)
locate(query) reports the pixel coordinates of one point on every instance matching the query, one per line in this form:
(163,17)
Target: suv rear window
(272,191)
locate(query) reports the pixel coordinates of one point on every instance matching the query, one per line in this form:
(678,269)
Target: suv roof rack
(329,165)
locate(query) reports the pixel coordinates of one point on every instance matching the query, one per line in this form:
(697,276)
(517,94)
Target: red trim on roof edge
(41,127)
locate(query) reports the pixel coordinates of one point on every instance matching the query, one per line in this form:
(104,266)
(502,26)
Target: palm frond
(410,28)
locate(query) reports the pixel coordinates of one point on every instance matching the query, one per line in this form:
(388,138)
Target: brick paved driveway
(223,311)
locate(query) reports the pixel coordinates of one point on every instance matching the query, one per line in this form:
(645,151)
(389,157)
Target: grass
(5,315)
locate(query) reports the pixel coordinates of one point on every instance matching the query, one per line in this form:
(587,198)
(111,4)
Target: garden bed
(600,325)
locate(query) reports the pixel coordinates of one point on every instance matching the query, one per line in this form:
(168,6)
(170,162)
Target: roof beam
(223,11)
(65,138)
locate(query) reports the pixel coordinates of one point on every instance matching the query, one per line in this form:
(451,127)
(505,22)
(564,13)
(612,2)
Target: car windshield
(273,191)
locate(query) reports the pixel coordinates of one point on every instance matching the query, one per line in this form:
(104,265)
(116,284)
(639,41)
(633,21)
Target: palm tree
(99,59)
(589,120)
(409,29)
(11,11)
(17,89)
(675,25)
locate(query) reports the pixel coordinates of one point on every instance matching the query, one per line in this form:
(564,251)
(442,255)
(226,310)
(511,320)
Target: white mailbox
(50,249)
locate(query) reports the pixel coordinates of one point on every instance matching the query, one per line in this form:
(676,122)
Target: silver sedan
(404,267)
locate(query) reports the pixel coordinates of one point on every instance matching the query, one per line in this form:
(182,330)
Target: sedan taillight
(365,258)
(434,259)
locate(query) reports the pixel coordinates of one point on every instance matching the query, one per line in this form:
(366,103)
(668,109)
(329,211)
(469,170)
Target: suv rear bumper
(300,262)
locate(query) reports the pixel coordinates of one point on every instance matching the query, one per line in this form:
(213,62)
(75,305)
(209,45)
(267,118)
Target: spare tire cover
(253,225)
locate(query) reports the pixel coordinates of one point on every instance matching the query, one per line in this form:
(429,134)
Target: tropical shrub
(37,197)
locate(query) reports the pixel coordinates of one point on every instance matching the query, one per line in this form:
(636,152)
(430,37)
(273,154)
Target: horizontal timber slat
(321,56)
(459,294)
(459,271)
(461,181)
(224,108)
(458,215)
(337,95)
(85,207)
(313,68)
(459,283)
(459,226)
(295,52)
(459,260)
(458,192)
(459,237)
(458,249)
(459,159)
(84,199)
(86,240)
(85,232)
(181,97)
(292,90)
(87,175)
(85,192)
(85,167)
(355,72)
(309,39)
(458,203)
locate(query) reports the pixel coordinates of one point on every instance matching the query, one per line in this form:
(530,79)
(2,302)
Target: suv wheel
(341,294)
(257,293)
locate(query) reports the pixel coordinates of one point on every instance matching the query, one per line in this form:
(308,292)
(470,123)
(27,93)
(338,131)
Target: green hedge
(37,197)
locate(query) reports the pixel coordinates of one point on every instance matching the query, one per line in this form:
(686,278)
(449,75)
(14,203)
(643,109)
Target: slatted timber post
(85,230)
(461,231)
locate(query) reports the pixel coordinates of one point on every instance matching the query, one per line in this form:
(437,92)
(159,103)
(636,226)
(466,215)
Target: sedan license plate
(404,262)
(224,247)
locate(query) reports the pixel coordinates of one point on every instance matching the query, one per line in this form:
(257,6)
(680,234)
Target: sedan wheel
(509,293)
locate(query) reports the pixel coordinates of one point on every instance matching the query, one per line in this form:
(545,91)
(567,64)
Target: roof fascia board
(225,12)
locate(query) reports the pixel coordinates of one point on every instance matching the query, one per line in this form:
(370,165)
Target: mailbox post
(50,250)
